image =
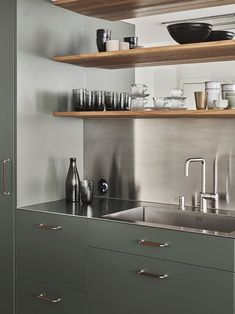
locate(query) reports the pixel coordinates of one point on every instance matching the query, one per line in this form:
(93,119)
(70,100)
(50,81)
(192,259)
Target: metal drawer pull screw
(4,163)
(48,227)
(142,272)
(46,298)
(155,244)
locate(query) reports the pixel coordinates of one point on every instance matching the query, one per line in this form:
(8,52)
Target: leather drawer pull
(154,244)
(46,298)
(142,272)
(48,227)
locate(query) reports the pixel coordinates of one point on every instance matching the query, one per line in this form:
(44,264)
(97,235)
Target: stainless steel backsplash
(144,159)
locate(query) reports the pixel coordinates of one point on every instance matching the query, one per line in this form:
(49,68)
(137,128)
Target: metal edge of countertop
(102,206)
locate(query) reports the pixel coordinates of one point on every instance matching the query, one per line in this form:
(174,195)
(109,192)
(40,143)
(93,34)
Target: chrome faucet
(203,175)
(204,197)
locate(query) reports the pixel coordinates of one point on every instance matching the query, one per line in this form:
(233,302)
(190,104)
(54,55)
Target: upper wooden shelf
(114,10)
(164,55)
(148,114)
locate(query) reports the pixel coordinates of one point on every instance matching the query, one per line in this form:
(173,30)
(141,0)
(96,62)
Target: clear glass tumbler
(79,97)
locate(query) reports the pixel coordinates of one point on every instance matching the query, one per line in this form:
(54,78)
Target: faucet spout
(203,174)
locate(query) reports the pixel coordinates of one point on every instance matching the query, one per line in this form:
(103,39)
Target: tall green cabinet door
(7,100)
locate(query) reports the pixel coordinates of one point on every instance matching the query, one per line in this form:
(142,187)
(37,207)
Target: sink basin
(177,218)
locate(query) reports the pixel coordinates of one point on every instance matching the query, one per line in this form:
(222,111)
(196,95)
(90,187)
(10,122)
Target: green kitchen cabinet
(124,283)
(42,298)
(52,248)
(183,247)
(70,264)
(139,269)
(7,138)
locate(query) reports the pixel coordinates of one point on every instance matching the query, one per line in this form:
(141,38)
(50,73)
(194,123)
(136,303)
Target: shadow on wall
(109,155)
(44,36)
(47,101)
(55,177)
(122,183)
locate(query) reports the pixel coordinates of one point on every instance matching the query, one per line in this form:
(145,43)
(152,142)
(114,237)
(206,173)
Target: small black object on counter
(103,187)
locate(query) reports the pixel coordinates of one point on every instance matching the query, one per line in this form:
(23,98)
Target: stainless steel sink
(168,217)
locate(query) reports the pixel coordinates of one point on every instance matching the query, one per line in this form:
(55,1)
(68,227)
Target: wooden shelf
(114,10)
(156,56)
(149,114)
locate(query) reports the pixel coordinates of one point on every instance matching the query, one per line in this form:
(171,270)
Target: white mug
(138,89)
(112,45)
(124,45)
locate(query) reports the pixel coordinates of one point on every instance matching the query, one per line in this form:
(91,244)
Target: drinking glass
(124,101)
(201,100)
(79,96)
(99,100)
(111,100)
(90,100)
(87,188)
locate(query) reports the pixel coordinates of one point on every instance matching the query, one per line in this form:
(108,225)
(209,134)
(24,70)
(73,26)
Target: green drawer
(52,248)
(190,248)
(36,298)
(114,286)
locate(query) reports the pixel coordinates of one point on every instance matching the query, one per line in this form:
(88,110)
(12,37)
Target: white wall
(45,143)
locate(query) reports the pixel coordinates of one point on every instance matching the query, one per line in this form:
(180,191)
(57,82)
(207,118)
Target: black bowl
(187,33)
(220,35)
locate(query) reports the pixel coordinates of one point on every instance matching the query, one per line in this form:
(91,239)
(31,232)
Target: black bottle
(72,189)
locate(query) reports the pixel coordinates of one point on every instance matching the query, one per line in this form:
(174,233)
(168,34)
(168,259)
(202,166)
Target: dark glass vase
(72,189)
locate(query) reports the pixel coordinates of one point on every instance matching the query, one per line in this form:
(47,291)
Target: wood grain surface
(149,114)
(156,56)
(122,9)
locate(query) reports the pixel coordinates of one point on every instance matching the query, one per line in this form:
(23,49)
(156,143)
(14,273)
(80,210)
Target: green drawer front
(56,300)
(190,248)
(55,256)
(114,286)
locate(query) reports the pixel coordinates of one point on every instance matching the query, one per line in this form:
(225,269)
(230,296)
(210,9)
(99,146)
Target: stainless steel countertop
(99,207)
(106,206)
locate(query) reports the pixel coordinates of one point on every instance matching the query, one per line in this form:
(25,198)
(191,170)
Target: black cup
(133,41)
(103,35)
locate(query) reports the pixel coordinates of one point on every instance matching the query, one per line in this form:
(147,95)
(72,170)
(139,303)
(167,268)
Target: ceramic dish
(139,95)
(169,102)
(186,33)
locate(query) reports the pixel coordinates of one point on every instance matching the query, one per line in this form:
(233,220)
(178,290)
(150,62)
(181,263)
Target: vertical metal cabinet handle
(4,163)
(48,227)
(154,244)
(46,298)
(142,272)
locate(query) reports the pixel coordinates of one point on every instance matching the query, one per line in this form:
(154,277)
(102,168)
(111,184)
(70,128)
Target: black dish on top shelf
(220,35)
(187,33)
